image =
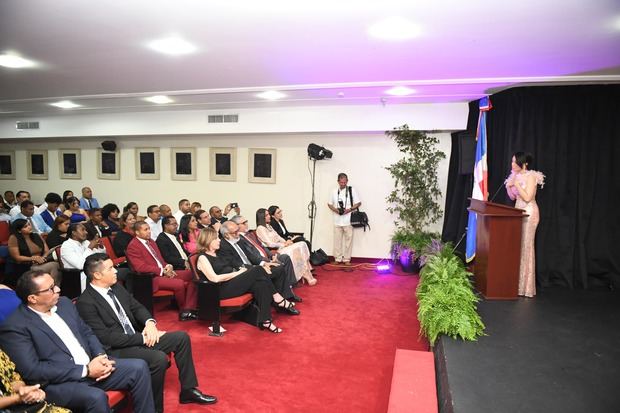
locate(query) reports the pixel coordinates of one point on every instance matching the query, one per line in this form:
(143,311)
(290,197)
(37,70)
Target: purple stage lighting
(384,268)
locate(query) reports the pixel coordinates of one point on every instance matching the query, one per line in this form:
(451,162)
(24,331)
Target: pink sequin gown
(527,269)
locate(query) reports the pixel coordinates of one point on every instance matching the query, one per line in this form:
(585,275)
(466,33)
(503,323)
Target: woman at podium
(521,186)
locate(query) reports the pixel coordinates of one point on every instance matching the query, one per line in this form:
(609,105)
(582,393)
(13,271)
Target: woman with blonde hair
(237,281)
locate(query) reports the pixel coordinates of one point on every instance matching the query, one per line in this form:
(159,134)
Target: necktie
(244,257)
(88,204)
(122,317)
(258,247)
(152,251)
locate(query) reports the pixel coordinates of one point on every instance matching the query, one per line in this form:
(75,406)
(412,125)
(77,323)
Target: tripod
(312,204)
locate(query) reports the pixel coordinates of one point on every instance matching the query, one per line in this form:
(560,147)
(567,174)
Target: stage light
(317,152)
(384,268)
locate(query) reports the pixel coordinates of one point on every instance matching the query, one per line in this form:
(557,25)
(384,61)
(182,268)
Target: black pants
(176,342)
(255,280)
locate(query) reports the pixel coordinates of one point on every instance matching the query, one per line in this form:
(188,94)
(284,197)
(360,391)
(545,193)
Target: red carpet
(337,355)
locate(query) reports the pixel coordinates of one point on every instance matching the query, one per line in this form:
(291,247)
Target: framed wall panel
(108,164)
(262,166)
(7,164)
(223,164)
(37,164)
(183,164)
(70,163)
(147,163)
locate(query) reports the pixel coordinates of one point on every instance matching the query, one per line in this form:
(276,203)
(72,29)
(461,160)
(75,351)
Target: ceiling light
(271,95)
(394,28)
(65,104)
(174,46)
(15,62)
(159,99)
(400,91)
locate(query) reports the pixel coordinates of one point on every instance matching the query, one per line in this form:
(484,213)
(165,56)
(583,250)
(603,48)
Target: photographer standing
(343,201)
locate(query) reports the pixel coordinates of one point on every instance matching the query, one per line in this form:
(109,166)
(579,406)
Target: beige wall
(362,156)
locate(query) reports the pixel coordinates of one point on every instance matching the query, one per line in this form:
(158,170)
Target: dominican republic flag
(481,183)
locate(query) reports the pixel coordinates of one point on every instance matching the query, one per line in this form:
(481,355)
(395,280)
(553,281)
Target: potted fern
(446,300)
(414,198)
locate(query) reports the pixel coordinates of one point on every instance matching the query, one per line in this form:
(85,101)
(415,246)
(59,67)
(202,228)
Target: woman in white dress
(298,251)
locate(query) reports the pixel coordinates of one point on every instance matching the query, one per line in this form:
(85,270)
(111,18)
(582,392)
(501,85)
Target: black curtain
(573,133)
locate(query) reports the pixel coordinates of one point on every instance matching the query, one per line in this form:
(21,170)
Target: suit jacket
(49,217)
(169,251)
(41,355)
(92,232)
(252,253)
(228,253)
(98,314)
(120,243)
(277,228)
(141,260)
(84,204)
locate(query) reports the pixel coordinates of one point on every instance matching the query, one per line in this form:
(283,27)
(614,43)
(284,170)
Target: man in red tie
(144,256)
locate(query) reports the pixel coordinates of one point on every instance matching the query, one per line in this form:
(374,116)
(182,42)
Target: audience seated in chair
(74,212)
(59,231)
(165,210)
(65,197)
(20,197)
(127,330)
(144,257)
(237,281)
(277,223)
(184,209)
(27,212)
(124,237)
(110,214)
(76,248)
(188,233)
(96,226)
(154,220)
(168,243)
(299,253)
(237,257)
(27,251)
(87,202)
(49,343)
(50,210)
(218,216)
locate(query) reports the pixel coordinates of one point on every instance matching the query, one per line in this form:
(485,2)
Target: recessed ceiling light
(159,99)
(15,62)
(173,45)
(65,104)
(394,28)
(271,95)
(400,91)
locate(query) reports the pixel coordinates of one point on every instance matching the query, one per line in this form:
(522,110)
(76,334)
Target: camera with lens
(340,207)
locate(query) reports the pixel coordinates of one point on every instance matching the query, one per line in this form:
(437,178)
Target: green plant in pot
(408,248)
(446,301)
(414,198)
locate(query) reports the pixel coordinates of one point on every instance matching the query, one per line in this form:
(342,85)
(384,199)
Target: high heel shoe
(310,280)
(287,307)
(269,326)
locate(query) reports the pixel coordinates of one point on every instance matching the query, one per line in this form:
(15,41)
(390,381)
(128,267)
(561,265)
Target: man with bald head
(87,202)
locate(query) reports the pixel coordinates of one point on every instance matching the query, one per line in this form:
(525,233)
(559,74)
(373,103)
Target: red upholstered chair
(142,286)
(211,306)
(107,243)
(4,232)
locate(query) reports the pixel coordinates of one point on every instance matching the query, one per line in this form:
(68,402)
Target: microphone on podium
(500,187)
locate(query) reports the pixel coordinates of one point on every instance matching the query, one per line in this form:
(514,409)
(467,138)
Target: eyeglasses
(244,222)
(53,289)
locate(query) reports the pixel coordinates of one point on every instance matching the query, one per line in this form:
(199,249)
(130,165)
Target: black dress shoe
(295,298)
(290,310)
(196,396)
(187,315)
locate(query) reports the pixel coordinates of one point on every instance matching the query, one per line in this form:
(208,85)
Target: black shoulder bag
(359,219)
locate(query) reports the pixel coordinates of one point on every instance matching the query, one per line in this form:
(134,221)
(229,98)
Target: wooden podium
(498,249)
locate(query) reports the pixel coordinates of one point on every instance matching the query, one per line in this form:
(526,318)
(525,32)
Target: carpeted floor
(336,356)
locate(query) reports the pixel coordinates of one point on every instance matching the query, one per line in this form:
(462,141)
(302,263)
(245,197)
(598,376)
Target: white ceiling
(317,53)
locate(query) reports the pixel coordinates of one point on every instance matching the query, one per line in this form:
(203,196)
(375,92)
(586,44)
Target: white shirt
(343,195)
(155,228)
(175,241)
(15,210)
(40,208)
(74,253)
(64,333)
(178,215)
(150,250)
(106,296)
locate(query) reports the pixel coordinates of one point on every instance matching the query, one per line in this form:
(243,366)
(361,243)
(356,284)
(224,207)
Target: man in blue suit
(87,202)
(50,344)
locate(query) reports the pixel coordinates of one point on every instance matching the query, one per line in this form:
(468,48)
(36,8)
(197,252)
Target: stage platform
(558,352)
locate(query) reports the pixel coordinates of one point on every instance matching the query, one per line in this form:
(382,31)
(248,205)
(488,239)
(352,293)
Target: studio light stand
(315,153)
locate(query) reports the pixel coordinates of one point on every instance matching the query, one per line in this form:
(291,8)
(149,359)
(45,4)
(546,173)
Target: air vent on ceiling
(223,118)
(26,125)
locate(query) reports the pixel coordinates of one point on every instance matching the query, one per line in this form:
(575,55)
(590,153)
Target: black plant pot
(409,265)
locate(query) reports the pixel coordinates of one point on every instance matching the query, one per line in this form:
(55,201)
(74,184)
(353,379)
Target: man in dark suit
(256,252)
(231,251)
(144,256)
(171,249)
(96,226)
(127,329)
(48,341)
